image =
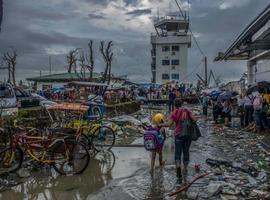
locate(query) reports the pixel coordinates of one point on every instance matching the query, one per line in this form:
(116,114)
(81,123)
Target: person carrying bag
(186,130)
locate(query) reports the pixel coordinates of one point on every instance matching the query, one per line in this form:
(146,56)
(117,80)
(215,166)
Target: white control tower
(169,51)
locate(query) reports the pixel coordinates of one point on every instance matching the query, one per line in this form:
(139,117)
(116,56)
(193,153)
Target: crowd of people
(59,95)
(118,95)
(122,95)
(168,91)
(164,91)
(253,109)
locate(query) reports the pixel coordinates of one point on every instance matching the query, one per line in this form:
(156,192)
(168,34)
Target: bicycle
(66,155)
(94,134)
(91,133)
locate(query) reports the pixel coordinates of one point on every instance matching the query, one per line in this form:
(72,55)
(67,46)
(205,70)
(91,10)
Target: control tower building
(169,52)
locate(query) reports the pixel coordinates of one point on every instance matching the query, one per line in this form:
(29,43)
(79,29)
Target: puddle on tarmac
(123,173)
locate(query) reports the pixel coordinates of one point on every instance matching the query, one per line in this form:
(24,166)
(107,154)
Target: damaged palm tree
(90,60)
(107,56)
(83,66)
(72,60)
(10,58)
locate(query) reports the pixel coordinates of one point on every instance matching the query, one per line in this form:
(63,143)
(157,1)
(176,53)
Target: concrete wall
(258,71)
(263,71)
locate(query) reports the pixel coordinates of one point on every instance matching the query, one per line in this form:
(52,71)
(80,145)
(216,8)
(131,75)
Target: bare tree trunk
(90,60)
(13,76)
(105,76)
(110,68)
(9,75)
(69,68)
(82,65)
(10,60)
(107,56)
(71,60)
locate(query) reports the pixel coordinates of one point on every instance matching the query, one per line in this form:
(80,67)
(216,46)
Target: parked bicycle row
(66,145)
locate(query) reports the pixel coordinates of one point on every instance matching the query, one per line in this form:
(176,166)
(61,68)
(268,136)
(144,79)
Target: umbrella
(259,87)
(264,85)
(215,93)
(251,89)
(228,94)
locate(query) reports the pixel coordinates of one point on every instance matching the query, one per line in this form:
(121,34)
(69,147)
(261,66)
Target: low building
(253,45)
(237,86)
(63,79)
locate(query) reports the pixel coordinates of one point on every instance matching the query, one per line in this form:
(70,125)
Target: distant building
(237,86)
(63,79)
(253,45)
(169,51)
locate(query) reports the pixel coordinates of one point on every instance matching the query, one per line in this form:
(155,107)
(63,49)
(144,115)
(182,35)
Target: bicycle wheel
(84,139)
(106,161)
(70,157)
(10,159)
(103,138)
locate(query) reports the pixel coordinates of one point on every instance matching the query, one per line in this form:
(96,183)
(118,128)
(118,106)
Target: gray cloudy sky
(38,29)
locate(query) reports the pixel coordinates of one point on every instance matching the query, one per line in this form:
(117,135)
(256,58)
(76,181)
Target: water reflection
(156,189)
(106,161)
(46,184)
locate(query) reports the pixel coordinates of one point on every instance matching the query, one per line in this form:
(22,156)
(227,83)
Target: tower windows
(175,76)
(175,48)
(165,76)
(165,48)
(175,62)
(165,62)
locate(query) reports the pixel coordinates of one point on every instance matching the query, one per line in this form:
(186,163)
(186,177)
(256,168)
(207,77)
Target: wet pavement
(123,173)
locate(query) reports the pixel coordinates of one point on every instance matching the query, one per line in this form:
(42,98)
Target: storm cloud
(39,29)
(96,16)
(139,12)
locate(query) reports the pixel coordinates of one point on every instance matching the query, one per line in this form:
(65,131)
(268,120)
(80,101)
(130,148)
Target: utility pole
(205,72)
(50,64)
(1,13)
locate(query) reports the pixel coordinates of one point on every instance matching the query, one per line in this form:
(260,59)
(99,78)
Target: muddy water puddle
(123,173)
(120,174)
(106,166)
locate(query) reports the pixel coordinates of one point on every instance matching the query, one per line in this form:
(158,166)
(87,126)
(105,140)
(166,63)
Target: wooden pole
(50,63)
(205,68)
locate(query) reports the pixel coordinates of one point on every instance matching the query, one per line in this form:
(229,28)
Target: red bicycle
(66,155)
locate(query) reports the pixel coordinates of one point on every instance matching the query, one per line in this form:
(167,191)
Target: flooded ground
(123,173)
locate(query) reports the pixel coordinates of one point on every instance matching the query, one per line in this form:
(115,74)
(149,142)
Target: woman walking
(182,141)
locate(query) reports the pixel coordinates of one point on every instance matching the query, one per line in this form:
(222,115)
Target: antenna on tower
(158,13)
(188,10)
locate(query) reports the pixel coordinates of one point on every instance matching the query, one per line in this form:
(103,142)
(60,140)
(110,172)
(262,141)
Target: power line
(195,68)
(196,42)
(181,12)
(188,9)
(194,38)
